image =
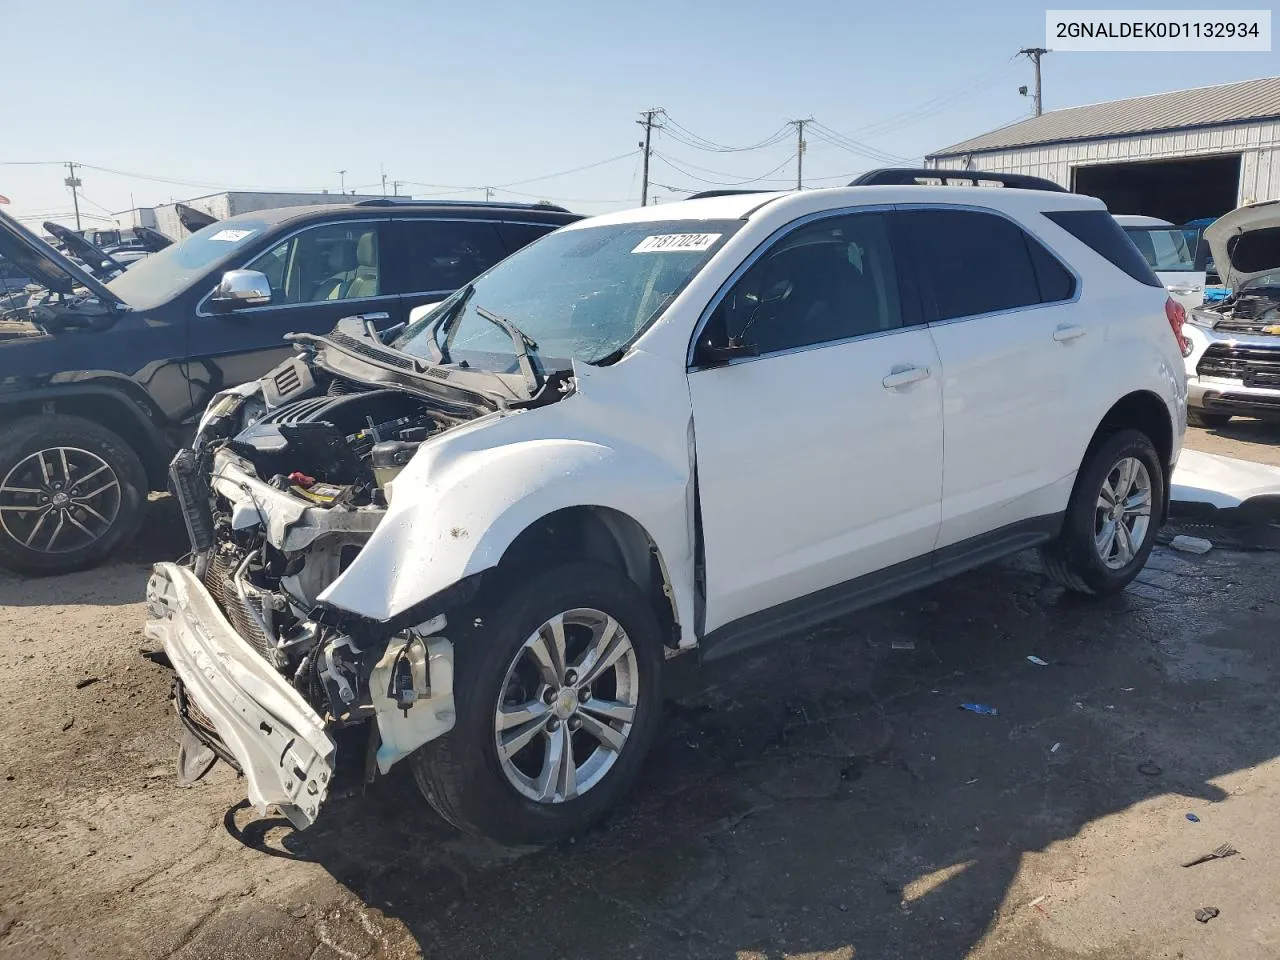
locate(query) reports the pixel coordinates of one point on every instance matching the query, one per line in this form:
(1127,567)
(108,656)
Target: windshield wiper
(440,354)
(533,379)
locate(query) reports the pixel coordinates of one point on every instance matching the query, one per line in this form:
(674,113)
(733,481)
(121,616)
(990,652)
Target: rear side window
(1099,231)
(971,263)
(440,255)
(517,235)
(1055,282)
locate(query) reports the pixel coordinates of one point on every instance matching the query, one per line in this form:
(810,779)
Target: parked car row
(475,540)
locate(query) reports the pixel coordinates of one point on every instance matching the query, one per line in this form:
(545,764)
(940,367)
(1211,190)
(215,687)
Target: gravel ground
(823,797)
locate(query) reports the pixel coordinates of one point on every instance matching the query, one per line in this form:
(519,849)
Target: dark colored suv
(100,383)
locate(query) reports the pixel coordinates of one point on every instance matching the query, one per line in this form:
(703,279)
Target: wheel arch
(605,535)
(1146,412)
(108,407)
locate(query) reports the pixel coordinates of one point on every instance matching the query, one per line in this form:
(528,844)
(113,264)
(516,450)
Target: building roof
(1176,110)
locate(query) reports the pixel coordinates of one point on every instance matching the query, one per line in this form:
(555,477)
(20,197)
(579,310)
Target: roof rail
(706,194)
(922,176)
(495,204)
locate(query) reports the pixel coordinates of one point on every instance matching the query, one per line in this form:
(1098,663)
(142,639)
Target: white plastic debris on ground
(1222,482)
(1191,544)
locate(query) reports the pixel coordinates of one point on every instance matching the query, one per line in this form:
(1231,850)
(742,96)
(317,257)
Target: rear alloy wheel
(558,695)
(70,493)
(1110,525)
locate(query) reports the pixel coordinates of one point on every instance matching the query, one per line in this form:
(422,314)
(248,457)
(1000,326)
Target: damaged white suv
(688,427)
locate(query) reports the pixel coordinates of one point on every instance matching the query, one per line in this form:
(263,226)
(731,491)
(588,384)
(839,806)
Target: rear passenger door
(431,258)
(1015,348)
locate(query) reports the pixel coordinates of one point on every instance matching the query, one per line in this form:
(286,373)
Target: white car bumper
(277,740)
(1230,379)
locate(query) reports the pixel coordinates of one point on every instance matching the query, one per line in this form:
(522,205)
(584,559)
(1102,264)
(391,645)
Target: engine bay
(1253,311)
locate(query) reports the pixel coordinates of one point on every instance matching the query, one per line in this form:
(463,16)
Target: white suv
(689,427)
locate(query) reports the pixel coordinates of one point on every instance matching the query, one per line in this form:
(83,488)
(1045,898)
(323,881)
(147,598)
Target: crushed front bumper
(277,740)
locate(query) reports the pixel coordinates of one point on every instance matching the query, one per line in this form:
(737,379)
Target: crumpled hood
(1246,242)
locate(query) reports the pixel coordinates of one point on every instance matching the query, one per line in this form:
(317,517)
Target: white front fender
(463,500)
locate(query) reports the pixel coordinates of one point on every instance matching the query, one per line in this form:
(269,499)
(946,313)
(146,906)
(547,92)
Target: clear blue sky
(280,95)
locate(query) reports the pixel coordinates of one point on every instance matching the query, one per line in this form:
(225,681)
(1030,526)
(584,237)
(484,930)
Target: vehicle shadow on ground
(828,795)
(121,580)
(1246,430)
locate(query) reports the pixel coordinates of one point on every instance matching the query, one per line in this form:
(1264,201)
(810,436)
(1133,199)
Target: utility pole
(384,179)
(800,145)
(73,182)
(649,125)
(1034,54)
(342,181)
(488,194)
(395,187)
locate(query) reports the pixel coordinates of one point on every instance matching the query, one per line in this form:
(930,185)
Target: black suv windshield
(163,275)
(579,294)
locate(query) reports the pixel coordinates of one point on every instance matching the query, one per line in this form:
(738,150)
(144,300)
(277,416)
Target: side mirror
(719,356)
(241,288)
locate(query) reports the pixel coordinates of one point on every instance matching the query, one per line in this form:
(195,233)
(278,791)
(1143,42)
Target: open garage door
(1174,190)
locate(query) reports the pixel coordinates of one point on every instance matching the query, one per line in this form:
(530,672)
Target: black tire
(461,775)
(121,512)
(1072,560)
(1211,421)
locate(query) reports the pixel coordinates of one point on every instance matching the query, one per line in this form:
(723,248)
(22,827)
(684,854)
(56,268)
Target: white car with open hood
(1234,364)
(476,541)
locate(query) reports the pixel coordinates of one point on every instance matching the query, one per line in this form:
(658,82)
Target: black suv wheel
(71,492)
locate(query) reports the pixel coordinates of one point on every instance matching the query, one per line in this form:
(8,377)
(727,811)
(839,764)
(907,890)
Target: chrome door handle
(905,376)
(1068,331)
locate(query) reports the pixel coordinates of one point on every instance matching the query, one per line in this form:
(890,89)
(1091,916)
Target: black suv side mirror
(241,288)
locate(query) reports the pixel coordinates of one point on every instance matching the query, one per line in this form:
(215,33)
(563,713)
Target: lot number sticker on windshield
(231,236)
(677,243)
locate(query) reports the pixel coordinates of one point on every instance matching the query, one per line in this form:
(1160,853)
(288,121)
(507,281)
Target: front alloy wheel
(71,492)
(59,499)
(558,689)
(567,706)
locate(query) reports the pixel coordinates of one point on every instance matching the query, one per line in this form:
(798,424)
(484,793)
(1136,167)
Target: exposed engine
(1250,311)
(280,492)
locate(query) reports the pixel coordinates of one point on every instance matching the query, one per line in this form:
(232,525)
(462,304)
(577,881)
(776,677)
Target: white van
(1171,252)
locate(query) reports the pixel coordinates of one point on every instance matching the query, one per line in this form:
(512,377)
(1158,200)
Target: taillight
(1177,315)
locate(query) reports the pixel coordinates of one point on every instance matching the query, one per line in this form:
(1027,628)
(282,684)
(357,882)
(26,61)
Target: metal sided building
(1179,156)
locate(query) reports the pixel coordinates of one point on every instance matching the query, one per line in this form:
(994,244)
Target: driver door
(820,459)
(318,276)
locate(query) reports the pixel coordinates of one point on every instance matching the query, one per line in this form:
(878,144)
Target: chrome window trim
(764,247)
(972,208)
(200,307)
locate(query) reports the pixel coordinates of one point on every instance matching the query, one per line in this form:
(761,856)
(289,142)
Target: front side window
(338,261)
(830,280)
(577,294)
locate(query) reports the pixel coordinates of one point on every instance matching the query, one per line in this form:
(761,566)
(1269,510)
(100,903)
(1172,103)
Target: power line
(934,105)
(835,138)
(699,142)
(721,183)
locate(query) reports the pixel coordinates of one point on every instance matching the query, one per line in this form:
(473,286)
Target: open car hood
(193,219)
(1246,242)
(102,264)
(46,265)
